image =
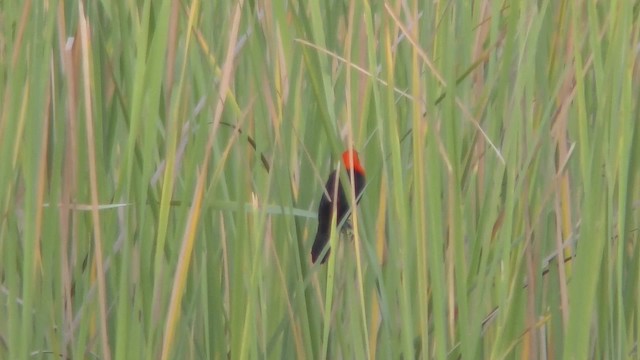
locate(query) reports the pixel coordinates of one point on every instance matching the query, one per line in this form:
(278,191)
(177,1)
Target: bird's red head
(351,161)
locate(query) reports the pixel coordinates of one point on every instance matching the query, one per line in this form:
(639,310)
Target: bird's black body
(325,210)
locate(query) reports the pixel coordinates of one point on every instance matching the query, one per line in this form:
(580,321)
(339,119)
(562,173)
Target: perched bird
(326,207)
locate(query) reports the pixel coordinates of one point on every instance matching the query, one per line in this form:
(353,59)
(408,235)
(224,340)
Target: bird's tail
(322,238)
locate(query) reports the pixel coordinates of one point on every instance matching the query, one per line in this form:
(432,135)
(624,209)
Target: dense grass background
(161,163)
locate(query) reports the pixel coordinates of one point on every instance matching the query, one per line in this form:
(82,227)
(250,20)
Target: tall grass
(161,164)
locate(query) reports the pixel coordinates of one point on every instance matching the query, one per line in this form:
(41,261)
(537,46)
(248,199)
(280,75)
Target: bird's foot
(347,229)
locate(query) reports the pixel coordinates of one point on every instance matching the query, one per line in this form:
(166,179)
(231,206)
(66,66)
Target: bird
(326,208)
